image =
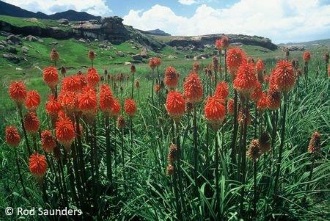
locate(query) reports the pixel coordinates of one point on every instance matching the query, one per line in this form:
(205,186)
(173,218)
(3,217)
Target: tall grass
(121,181)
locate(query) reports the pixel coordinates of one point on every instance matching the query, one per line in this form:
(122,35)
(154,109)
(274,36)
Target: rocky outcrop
(199,42)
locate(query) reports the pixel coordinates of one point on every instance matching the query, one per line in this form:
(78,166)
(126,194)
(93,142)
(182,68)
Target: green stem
(132,95)
(255,199)
(24,132)
(195,149)
(108,148)
(217,191)
(234,136)
(20,174)
(243,156)
(278,169)
(310,172)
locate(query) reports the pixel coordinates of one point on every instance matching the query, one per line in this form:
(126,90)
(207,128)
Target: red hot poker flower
(306,56)
(130,107)
(31,122)
(245,81)
(50,76)
(52,106)
(193,88)
(171,78)
(32,100)
(54,55)
(17,92)
(93,78)
(65,132)
(235,57)
(12,136)
(230,106)
(175,105)
(221,90)
(87,101)
(314,143)
(284,76)
(38,164)
(262,103)
(48,142)
(215,112)
(106,98)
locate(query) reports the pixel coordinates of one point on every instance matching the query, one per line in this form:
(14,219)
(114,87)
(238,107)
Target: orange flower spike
(235,57)
(306,56)
(32,100)
(106,98)
(284,76)
(17,92)
(157,61)
(196,67)
(12,136)
(257,92)
(48,142)
(120,122)
(157,88)
(175,105)
(52,106)
(193,88)
(93,78)
(31,122)
(214,111)
(38,165)
(54,55)
(68,101)
(222,43)
(230,106)
(152,63)
(87,101)
(314,143)
(246,80)
(91,55)
(221,90)
(50,76)
(262,103)
(273,99)
(260,66)
(71,83)
(65,132)
(130,107)
(115,108)
(171,78)
(218,44)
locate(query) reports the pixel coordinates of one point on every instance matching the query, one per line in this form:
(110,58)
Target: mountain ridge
(12,10)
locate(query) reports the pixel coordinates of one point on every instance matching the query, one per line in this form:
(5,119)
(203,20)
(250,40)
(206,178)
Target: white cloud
(279,20)
(187,2)
(94,7)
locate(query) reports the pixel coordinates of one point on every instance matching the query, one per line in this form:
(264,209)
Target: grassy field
(134,184)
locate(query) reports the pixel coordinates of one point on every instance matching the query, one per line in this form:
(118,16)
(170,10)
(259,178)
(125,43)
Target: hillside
(12,10)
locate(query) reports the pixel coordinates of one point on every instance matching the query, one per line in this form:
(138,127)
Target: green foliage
(139,188)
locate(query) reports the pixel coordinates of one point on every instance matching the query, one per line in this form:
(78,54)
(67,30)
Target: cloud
(94,7)
(279,20)
(187,2)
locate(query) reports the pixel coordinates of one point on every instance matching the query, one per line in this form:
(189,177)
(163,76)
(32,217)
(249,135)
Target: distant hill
(74,16)
(12,10)
(156,32)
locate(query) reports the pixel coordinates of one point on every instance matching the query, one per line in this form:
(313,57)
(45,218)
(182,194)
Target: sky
(282,21)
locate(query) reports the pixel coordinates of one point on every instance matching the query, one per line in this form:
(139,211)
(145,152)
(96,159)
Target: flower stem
(234,137)
(20,174)
(278,169)
(195,149)
(108,148)
(255,199)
